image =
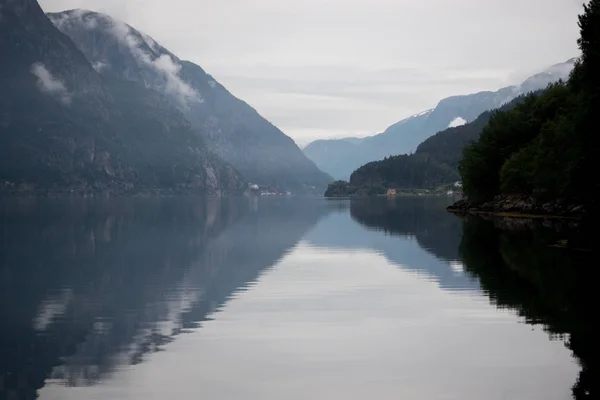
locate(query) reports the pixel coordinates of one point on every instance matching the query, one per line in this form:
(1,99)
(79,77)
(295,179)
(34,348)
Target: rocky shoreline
(516,206)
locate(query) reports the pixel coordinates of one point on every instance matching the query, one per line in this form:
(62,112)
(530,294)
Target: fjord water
(272,298)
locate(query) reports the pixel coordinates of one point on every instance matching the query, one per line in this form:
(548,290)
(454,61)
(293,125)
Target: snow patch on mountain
(423,113)
(458,121)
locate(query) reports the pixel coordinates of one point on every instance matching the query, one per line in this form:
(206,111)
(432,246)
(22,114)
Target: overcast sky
(335,68)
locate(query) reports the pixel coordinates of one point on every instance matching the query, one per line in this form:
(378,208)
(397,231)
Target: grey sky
(334,68)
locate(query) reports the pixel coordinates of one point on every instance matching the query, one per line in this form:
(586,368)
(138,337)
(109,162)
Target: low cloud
(51,85)
(164,64)
(150,42)
(100,66)
(78,16)
(142,47)
(170,70)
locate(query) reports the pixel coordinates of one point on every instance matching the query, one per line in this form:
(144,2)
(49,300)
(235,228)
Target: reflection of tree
(546,285)
(424,218)
(84,281)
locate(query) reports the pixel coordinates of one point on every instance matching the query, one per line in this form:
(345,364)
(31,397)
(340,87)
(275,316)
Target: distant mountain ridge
(231,128)
(433,166)
(339,159)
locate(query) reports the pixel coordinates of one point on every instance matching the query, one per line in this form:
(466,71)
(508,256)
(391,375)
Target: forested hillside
(339,157)
(547,147)
(447,146)
(434,163)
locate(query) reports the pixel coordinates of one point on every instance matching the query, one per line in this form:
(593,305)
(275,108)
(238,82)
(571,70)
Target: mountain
(65,128)
(433,164)
(231,128)
(339,160)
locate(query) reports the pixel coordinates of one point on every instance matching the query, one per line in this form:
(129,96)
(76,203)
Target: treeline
(434,163)
(541,145)
(419,170)
(545,147)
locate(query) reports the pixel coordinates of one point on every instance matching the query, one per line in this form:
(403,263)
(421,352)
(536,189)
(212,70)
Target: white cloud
(79,16)
(164,64)
(100,66)
(458,121)
(50,84)
(175,85)
(386,53)
(150,41)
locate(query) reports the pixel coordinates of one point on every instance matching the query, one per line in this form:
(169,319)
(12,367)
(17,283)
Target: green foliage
(547,146)
(376,189)
(403,172)
(531,149)
(433,165)
(340,189)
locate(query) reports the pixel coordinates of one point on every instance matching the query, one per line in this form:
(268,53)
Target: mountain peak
(117,48)
(232,129)
(20,7)
(404,136)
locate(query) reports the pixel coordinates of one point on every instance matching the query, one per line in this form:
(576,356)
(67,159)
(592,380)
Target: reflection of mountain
(255,243)
(548,286)
(394,224)
(88,285)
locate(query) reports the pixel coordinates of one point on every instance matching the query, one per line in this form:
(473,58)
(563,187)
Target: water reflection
(519,269)
(89,285)
(393,227)
(275,298)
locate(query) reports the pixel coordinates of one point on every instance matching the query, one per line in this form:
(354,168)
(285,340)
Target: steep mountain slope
(65,128)
(447,146)
(403,137)
(232,129)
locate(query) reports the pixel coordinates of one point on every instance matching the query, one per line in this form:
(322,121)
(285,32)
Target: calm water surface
(283,298)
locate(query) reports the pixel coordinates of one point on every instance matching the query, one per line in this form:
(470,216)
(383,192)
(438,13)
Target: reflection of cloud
(457,266)
(51,309)
(50,84)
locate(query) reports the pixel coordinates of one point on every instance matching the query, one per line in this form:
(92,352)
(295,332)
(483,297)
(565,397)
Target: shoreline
(521,207)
